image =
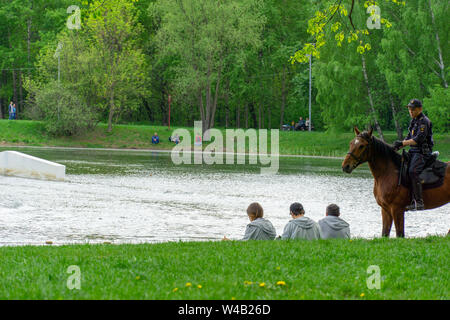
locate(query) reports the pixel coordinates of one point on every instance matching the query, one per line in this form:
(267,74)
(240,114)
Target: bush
(436,108)
(63,111)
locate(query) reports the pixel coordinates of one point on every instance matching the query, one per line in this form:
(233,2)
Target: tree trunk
(202,110)
(14,86)
(269,117)
(398,127)
(438,43)
(263,114)
(28,41)
(162,105)
(227,107)
(369,94)
(208,108)
(227,115)
(259,116)
(216,98)
(111,111)
(283,97)
(246,116)
(20,104)
(238,116)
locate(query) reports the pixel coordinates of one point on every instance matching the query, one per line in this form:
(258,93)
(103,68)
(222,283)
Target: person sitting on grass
(155,138)
(300,227)
(300,125)
(332,226)
(175,139)
(258,228)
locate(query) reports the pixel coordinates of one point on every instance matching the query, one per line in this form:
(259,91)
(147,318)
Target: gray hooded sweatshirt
(334,227)
(301,228)
(260,229)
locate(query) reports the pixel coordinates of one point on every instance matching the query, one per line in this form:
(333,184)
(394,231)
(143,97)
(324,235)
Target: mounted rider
(420,140)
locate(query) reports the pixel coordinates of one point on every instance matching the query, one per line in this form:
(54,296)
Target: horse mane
(383,149)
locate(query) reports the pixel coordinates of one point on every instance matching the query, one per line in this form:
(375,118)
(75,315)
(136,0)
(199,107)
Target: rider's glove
(398,144)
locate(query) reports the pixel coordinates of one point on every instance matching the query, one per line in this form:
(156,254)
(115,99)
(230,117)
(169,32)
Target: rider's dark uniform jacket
(420,130)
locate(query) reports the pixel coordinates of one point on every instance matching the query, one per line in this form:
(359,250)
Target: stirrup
(415,206)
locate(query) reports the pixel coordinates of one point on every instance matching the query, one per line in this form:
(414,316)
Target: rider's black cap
(415,103)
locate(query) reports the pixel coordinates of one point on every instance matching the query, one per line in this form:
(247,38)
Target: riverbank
(414,268)
(32,133)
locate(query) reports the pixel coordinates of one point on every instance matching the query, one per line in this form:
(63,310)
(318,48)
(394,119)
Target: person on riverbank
(300,227)
(198,140)
(10,110)
(175,139)
(301,125)
(332,226)
(258,228)
(155,138)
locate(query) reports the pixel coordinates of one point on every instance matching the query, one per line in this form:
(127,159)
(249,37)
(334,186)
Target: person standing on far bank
(14,111)
(10,110)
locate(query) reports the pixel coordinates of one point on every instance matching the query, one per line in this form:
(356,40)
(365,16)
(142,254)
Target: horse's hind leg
(399,221)
(387,222)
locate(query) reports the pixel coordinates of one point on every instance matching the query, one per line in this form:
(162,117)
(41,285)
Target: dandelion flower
(175,290)
(188,284)
(262,284)
(281,283)
(362,295)
(248,282)
(278,268)
(199,286)
(138,277)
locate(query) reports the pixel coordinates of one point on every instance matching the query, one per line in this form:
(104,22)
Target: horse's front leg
(387,222)
(399,221)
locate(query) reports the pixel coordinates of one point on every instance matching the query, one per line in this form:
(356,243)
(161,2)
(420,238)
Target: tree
(119,67)
(63,110)
(27,26)
(202,34)
(338,19)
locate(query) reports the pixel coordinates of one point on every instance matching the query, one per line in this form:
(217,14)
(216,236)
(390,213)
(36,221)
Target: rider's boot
(417,201)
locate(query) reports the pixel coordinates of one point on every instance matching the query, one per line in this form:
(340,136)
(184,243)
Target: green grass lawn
(324,269)
(33,133)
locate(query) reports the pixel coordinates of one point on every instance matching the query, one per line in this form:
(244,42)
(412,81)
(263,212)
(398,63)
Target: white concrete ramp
(13,163)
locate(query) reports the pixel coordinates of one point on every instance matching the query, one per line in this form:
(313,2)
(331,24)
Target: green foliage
(338,19)
(129,55)
(436,107)
(204,35)
(63,111)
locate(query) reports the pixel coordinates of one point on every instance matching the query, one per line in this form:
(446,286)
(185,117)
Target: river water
(141,196)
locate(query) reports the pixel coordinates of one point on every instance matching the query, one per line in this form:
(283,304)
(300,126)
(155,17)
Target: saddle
(431,177)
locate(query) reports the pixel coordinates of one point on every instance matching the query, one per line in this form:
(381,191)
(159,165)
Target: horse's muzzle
(347,168)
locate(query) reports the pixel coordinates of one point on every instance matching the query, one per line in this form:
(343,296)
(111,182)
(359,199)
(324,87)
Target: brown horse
(384,163)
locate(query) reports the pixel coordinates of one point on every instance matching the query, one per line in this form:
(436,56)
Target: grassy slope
(139,136)
(325,269)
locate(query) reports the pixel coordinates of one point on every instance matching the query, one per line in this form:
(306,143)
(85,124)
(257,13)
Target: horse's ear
(355,128)
(370,130)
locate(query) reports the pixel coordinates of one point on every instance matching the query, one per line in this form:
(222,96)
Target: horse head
(359,150)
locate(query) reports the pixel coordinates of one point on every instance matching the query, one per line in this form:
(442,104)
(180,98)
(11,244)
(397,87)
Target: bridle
(360,160)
